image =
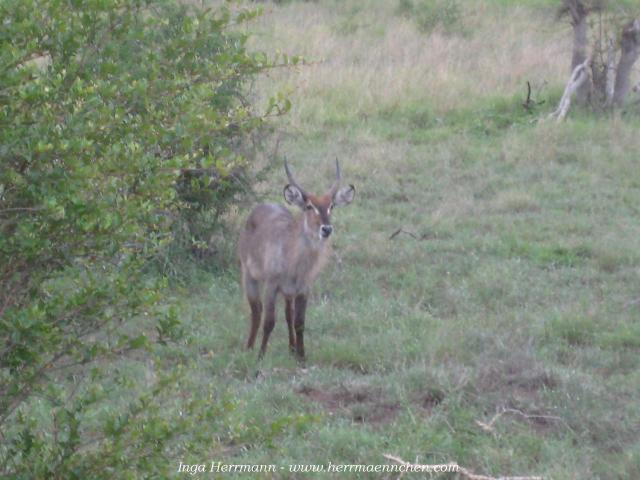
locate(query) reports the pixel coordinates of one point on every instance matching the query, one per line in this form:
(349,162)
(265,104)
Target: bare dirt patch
(362,404)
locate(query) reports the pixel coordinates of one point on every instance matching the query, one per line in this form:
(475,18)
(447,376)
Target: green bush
(119,119)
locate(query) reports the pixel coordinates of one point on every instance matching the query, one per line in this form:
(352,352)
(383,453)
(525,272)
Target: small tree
(596,80)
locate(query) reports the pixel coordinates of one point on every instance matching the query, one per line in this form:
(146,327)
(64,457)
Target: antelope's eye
(309,207)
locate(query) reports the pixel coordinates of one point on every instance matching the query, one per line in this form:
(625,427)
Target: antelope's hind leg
(270,294)
(288,313)
(252,291)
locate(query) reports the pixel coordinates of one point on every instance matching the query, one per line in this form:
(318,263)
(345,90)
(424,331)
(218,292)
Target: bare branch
(580,75)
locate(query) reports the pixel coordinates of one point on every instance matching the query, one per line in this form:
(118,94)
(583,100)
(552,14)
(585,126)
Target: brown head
(317,209)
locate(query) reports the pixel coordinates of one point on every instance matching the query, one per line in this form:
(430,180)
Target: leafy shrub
(119,118)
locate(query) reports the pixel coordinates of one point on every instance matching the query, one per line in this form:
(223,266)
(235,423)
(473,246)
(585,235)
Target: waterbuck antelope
(283,253)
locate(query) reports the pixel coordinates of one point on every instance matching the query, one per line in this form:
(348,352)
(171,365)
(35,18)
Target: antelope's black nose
(326,230)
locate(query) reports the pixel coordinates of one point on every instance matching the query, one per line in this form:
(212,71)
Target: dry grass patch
(515,201)
(387,59)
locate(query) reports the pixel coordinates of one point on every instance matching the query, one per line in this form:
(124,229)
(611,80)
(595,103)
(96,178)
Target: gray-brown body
(275,252)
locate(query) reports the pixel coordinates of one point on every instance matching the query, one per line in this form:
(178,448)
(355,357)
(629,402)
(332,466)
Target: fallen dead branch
(402,230)
(460,470)
(424,236)
(488,426)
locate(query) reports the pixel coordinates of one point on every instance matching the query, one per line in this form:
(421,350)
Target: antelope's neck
(309,251)
(308,240)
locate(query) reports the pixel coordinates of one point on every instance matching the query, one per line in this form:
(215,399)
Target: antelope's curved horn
(336,183)
(292,180)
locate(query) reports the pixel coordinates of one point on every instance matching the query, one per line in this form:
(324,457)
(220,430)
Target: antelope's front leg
(300,311)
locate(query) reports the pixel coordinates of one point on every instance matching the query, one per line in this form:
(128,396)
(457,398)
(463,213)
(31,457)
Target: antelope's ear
(294,196)
(344,196)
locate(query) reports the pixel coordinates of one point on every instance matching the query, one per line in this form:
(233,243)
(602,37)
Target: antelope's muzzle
(326,230)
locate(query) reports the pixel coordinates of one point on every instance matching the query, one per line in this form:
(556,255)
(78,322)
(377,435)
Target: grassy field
(513,284)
